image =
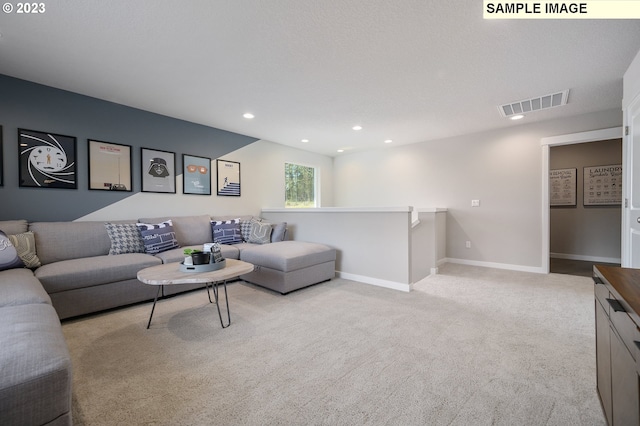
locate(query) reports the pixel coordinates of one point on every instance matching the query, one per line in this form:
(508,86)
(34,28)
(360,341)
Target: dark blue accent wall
(26,105)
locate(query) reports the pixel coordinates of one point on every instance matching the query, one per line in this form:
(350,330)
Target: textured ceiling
(406,70)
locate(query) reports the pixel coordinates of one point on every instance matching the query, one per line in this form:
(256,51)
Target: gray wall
(35,107)
(592,232)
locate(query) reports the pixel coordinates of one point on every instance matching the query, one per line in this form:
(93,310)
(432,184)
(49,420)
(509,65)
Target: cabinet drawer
(626,329)
(602,294)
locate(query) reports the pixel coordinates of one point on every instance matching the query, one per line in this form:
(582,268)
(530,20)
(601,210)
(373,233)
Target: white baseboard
(374,281)
(585,258)
(507,266)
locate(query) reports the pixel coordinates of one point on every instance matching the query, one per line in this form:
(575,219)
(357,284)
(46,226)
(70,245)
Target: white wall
(501,168)
(262,180)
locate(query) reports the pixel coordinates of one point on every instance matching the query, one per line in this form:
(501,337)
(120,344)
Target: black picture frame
(228,178)
(158,171)
(1,158)
(110,166)
(46,160)
(196,175)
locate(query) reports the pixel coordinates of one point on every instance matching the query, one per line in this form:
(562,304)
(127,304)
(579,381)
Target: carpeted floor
(470,346)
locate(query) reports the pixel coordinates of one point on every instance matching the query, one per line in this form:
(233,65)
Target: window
(300,186)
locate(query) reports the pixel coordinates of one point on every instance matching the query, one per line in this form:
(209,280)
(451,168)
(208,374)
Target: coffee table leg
(154,305)
(215,294)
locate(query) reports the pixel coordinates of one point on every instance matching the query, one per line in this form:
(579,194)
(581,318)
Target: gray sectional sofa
(77,275)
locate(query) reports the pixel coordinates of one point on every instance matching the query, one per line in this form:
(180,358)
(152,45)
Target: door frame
(547,143)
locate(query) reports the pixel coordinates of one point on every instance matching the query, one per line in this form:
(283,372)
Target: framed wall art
(603,185)
(109,166)
(46,160)
(196,175)
(158,171)
(1,160)
(228,177)
(562,183)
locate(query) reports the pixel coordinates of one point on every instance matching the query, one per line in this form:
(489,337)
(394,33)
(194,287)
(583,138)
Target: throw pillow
(226,232)
(279,232)
(245,228)
(125,238)
(260,233)
(158,237)
(25,244)
(9,258)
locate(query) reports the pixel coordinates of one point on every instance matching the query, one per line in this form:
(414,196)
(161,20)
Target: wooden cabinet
(617,303)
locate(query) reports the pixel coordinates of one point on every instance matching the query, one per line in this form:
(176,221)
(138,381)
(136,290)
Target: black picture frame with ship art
(46,160)
(228,178)
(110,166)
(158,169)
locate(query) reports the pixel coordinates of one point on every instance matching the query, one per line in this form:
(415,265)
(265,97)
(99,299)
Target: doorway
(586,206)
(592,255)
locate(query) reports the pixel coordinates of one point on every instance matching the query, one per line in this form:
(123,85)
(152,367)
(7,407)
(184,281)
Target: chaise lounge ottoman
(289,265)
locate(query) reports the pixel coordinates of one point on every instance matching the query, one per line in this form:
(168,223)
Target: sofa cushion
(56,241)
(87,272)
(245,227)
(12,227)
(35,366)
(25,244)
(20,287)
(9,258)
(190,230)
(288,255)
(226,232)
(125,238)
(279,232)
(260,233)
(158,237)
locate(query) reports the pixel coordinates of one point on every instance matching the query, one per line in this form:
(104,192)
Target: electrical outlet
(475,203)
(468,244)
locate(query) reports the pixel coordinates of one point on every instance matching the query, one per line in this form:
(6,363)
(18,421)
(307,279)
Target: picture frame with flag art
(228,178)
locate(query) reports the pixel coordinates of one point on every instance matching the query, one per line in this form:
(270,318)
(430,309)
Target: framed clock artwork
(47,160)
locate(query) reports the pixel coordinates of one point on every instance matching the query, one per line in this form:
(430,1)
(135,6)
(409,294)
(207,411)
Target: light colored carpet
(470,346)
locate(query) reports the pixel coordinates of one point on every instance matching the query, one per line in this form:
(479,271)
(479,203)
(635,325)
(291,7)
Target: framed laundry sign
(603,185)
(562,183)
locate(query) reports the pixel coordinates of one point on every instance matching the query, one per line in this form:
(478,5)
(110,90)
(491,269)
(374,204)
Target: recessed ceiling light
(388,141)
(516,117)
(357,127)
(248,115)
(341,150)
(305,140)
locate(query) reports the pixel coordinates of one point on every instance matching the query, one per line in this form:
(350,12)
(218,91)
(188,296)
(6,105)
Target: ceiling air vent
(534,104)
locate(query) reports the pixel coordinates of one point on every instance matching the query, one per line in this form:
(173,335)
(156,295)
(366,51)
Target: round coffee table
(170,274)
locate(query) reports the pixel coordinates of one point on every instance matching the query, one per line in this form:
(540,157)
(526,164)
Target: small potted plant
(195,257)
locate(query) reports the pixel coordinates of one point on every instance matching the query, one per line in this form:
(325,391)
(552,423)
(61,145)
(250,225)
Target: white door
(631,170)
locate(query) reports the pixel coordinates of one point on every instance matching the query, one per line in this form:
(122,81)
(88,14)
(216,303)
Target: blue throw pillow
(158,237)
(9,258)
(226,232)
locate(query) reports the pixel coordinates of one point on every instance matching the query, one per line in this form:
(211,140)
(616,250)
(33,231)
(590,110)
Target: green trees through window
(300,185)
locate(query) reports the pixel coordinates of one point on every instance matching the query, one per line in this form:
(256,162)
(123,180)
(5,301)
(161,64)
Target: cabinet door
(603,359)
(624,384)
